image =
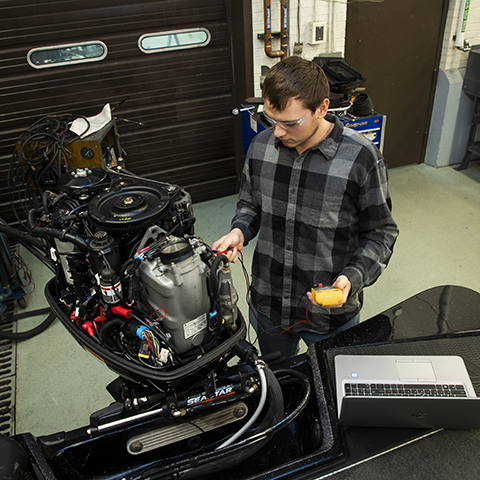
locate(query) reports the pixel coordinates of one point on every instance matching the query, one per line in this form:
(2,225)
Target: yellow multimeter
(326,296)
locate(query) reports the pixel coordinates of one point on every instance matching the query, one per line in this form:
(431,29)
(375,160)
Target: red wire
(148,342)
(251,309)
(158,310)
(223,252)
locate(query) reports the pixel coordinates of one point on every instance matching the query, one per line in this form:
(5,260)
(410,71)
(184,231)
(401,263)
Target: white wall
(453,58)
(333,14)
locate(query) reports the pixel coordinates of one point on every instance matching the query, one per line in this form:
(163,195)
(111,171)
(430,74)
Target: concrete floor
(438,213)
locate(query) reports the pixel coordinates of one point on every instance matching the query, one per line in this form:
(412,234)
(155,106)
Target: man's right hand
(230,245)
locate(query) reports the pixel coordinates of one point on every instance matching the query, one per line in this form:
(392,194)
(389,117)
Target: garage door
(166,66)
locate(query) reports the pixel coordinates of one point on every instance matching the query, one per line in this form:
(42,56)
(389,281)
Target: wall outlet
(316,33)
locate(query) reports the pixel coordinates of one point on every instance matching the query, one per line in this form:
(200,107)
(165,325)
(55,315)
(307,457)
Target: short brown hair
(295,77)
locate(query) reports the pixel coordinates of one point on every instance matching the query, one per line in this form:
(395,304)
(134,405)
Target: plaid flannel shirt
(318,215)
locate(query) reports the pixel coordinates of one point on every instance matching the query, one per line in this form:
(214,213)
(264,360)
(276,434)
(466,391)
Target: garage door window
(174,40)
(61,55)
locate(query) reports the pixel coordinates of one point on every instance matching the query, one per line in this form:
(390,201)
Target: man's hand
(343,283)
(230,245)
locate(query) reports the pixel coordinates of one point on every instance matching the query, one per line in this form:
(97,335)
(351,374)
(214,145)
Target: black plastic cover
(13,459)
(341,76)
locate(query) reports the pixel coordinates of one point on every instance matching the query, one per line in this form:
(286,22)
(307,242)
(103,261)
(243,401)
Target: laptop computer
(405,391)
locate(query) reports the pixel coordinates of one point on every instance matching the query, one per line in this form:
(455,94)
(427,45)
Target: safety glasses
(292,124)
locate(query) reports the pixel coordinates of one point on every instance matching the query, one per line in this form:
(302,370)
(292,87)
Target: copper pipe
(267,36)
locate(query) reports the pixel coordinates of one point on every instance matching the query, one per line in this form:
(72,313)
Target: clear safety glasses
(292,124)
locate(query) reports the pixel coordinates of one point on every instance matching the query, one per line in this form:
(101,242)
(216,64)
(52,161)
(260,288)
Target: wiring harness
(39,159)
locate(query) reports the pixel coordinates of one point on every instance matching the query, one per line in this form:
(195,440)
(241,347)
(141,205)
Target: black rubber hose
(33,313)
(7,265)
(362,105)
(4,276)
(35,246)
(34,331)
(55,232)
(18,234)
(107,330)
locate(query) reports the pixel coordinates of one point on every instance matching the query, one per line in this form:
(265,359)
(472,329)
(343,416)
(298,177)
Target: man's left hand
(343,283)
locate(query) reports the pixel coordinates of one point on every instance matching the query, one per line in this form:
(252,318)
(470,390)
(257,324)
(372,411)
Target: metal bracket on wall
(261,36)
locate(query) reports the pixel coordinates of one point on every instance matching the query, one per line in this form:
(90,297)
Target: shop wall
(452,109)
(331,14)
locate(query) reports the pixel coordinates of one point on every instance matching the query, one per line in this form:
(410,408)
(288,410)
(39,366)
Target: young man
(316,194)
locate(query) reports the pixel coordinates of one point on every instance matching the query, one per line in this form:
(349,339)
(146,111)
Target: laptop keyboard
(403,390)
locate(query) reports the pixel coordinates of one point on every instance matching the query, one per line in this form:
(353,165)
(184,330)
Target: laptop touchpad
(416,371)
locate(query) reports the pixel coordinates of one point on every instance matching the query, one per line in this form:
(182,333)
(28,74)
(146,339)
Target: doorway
(396,46)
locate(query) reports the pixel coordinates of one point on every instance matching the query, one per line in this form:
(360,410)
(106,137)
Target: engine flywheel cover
(129,207)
